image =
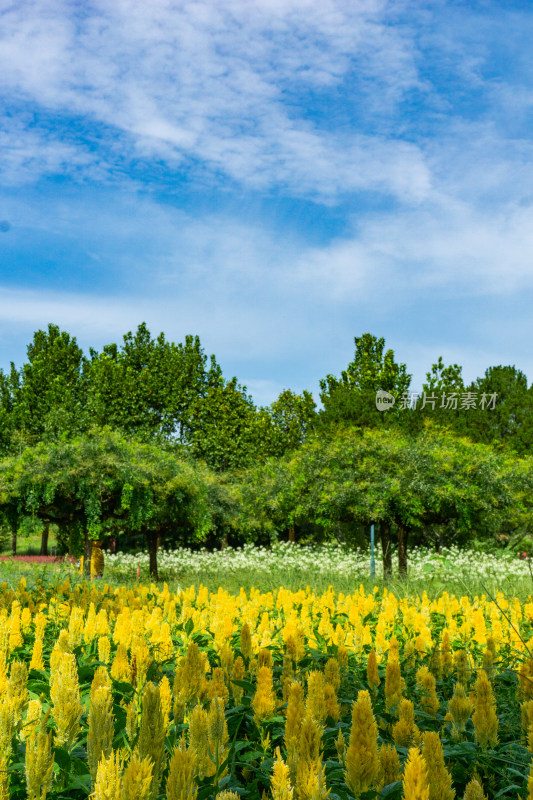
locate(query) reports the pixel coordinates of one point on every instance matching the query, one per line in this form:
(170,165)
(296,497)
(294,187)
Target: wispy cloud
(222,84)
(186,138)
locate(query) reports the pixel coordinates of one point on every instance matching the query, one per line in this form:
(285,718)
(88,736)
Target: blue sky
(276,176)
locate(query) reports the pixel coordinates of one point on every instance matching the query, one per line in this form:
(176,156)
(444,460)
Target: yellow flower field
(124,694)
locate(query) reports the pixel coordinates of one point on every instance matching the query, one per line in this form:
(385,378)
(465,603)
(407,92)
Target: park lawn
(29,545)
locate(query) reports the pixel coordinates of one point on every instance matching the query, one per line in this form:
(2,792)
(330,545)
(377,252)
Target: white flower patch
(325,561)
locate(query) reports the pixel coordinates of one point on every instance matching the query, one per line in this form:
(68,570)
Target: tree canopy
(149,437)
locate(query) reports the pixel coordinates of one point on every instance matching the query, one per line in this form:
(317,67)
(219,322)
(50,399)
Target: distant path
(39,559)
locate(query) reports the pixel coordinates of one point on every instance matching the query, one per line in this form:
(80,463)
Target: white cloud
(219,84)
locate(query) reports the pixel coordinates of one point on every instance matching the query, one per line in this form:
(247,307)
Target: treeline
(149,438)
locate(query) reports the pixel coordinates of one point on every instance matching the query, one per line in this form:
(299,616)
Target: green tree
(47,398)
(220,427)
(402,483)
(508,419)
(102,483)
(442,378)
(351,398)
(146,387)
(293,416)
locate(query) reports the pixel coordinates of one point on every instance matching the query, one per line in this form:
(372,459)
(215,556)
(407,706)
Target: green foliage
(103,483)
(47,398)
(511,420)
(146,387)
(410,482)
(351,398)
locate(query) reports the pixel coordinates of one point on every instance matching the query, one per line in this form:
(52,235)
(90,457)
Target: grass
(13,571)
(293,578)
(28,545)
(247,580)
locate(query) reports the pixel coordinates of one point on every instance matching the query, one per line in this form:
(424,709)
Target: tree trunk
(14,543)
(292,534)
(403,533)
(152,552)
(44,539)
(224,540)
(384,532)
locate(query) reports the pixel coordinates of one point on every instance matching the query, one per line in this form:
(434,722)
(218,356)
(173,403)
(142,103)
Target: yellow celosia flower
(65,696)
(38,762)
(415,777)
(332,674)
(264,700)
(372,674)
(4,780)
(33,716)
(404,732)
(25,620)
(151,742)
(474,791)
(280,783)
(246,641)
(17,690)
(332,705)
(530,784)
(525,676)
(264,659)
(40,625)
(132,720)
(484,717)
(340,747)
(526,710)
(199,739)
(237,674)
(217,685)
(302,760)
(342,658)
(101,727)
(393,685)
(362,758)
(311,782)
(315,703)
(165,695)
(218,737)
(427,686)
(137,779)
(104,649)
(462,667)
(75,627)
(226,660)
(488,663)
(60,647)
(446,654)
(440,780)
(293,724)
(120,668)
(460,708)
(141,657)
(37,655)
(15,634)
(389,766)
(108,785)
(188,681)
(181,784)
